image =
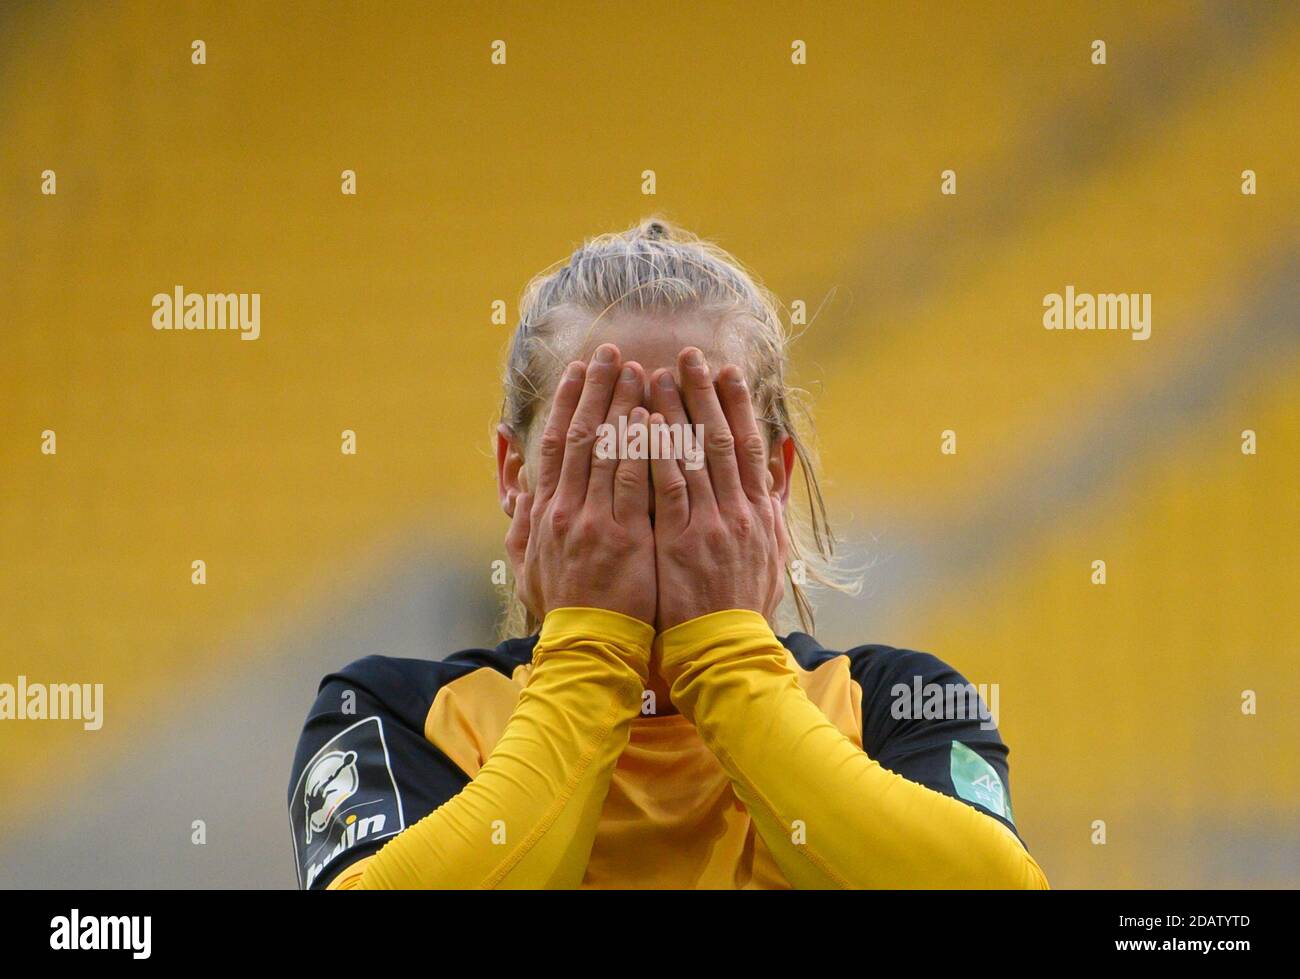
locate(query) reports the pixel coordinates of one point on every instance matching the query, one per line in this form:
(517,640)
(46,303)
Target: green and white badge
(976,781)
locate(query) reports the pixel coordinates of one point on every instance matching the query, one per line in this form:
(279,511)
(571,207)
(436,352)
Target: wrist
(680,646)
(625,607)
(673,617)
(625,639)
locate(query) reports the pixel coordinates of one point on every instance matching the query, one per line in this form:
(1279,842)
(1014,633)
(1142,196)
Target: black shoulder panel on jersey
(923,720)
(927,722)
(505,658)
(364,770)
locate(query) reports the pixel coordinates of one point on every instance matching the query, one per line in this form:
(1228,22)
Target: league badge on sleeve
(346,795)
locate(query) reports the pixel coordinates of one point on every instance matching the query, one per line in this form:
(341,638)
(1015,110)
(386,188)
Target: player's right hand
(582,537)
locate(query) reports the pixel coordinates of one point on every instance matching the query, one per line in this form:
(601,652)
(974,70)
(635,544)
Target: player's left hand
(719,530)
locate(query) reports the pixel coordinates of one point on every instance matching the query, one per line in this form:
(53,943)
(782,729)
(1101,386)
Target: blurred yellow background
(1121,702)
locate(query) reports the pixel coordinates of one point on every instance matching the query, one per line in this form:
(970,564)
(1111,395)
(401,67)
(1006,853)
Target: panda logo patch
(330,782)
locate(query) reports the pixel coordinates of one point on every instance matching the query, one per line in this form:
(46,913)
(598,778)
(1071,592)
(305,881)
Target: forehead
(652,339)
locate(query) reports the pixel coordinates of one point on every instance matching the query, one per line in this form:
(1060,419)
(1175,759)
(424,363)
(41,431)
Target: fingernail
(629,374)
(666,381)
(694,358)
(575,371)
(605,354)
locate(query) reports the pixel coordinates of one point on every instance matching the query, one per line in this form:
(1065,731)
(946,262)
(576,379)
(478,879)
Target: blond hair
(657,267)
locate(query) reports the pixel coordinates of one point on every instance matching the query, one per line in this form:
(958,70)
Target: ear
(512,479)
(780,467)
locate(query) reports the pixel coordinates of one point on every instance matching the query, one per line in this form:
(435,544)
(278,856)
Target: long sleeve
(528,819)
(831,816)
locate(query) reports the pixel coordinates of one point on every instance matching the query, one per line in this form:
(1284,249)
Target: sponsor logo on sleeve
(346,795)
(977,781)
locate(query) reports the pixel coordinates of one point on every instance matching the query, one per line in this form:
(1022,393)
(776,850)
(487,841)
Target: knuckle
(561,519)
(714,536)
(580,433)
(552,443)
(720,440)
(753,447)
(675,490)
(588,528)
